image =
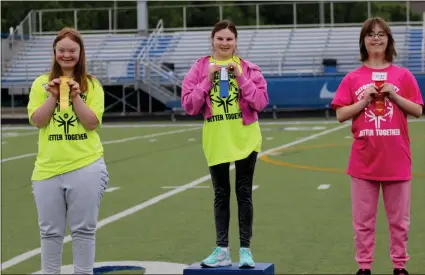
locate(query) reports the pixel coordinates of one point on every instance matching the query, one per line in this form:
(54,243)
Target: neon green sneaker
(245,258)
(219,257)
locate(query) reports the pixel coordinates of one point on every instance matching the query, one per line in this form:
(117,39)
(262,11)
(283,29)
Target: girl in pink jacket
(229,92)
(378,96)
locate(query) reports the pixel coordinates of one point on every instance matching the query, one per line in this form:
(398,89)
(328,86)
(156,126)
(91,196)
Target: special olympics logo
(388,115)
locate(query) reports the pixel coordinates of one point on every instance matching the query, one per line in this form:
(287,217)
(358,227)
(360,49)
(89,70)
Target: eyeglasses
(380,35)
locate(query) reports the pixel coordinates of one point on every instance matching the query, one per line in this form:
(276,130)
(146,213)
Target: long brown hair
(226,24)
(390,52)
(80,72)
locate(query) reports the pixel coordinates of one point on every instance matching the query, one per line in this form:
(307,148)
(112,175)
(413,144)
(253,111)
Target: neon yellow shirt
(64,144)
(225,138)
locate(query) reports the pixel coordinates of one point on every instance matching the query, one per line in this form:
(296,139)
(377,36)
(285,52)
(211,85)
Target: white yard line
(10,134)
(323,186)
(176,124)
(198,124)
(150,135)
(27,255)
(17,157)
(254,187)
(113,142)
(111,189)
(174,187)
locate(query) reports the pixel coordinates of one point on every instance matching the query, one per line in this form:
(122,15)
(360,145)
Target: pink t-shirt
(381,147)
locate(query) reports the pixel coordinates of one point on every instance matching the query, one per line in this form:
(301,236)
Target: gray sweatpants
(75,195)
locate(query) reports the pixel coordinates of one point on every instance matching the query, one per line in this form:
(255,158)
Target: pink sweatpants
(364,198)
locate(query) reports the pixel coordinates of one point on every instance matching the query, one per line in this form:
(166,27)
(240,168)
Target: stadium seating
(416,59)
(267,48)
(162,44)
(191,45)
(288,51)
(276,51)
(36,57)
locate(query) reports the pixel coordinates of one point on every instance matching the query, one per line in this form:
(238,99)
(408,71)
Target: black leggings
(221,183)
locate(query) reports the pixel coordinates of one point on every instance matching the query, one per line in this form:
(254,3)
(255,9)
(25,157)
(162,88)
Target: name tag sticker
(379,76)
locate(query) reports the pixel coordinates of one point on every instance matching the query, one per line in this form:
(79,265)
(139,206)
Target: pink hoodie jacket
(252,85)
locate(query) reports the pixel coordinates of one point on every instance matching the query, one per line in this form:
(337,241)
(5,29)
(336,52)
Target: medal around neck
(379,78)
(224,82)
(64,93)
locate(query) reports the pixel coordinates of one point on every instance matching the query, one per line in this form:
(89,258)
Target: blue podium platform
(260,268)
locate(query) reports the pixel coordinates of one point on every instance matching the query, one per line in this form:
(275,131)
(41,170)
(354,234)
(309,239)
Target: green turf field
(302,208)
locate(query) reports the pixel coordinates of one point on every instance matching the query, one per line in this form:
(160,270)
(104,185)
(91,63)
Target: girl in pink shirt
(378,97)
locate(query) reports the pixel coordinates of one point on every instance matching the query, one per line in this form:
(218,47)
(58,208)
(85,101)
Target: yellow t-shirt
(64,144)
(225,138)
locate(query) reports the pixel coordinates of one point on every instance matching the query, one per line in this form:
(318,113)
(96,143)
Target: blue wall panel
(306,91)
(310,91)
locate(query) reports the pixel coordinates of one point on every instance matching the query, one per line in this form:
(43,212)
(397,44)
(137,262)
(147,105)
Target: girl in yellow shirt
(229,91)
(70,174)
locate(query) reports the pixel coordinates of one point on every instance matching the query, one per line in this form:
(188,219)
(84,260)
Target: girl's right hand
(211,71)
(370,93)
(53,87)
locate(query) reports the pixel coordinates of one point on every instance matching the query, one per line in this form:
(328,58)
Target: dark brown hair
(80,73)
(390,52)
(224,24)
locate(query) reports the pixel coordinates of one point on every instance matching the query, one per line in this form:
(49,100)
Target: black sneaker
(400,271)
(363,272)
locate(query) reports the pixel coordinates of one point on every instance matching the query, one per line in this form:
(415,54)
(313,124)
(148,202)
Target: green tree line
(197,15)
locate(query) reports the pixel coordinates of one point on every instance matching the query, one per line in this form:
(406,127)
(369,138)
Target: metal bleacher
(36,57)
(297,51)
(278,51)
(416,42)
(186,52)
(343,46)
(305,49)
(266,46)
